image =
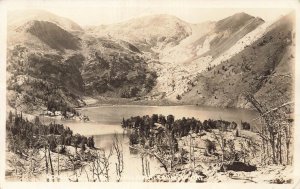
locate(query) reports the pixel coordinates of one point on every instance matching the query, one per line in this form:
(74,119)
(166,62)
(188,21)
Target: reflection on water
(114,114)
(105,121)
(132,159)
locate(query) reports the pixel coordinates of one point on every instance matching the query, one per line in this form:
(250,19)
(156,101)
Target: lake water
(105,122)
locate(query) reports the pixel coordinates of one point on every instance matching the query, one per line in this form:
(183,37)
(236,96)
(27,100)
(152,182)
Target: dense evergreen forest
(23,135)
(147,126)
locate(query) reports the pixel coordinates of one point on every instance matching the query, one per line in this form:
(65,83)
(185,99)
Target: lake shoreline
(107,101)
(102,129)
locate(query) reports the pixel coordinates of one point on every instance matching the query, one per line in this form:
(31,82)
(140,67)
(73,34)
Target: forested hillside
(51,63)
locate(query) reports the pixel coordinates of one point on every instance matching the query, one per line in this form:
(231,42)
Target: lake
(105,121)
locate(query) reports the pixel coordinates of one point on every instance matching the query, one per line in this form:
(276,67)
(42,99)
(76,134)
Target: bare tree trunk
(117,146)
(142,157)
(275,119)
(51,166)
(148,165)
(263,148)
(190,149)
(287,153)
(58,166)
(46,161)
(93,170)
(280,148)
(194,160)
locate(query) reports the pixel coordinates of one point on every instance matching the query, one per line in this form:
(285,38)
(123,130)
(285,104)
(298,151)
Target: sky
(91,12)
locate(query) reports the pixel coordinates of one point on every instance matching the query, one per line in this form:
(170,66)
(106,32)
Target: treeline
(160,130)
(23,135)
(181,127)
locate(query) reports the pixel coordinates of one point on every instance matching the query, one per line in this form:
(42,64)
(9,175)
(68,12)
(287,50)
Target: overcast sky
(107,12)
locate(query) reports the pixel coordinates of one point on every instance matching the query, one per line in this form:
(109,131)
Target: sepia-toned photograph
(132,93)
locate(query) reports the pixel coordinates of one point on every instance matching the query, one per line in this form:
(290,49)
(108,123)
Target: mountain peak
(242,15)
(161,17)
(157,20)
(235,22)
(150,32)
(19,17)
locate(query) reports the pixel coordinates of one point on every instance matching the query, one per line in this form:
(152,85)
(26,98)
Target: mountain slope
(230,30)
(50,65)
(158,57)
(42,62)
(115,68)
(149,33)
(36,78)
(262,67)
(52,35)
(182,63)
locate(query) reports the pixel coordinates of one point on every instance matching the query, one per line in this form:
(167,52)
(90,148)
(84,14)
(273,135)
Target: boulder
(237,166)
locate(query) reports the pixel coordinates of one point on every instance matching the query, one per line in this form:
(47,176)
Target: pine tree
(10,117)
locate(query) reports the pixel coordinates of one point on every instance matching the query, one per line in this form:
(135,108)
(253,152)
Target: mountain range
(156,58)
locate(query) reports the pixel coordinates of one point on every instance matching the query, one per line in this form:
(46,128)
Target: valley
(171,64)
(205,102)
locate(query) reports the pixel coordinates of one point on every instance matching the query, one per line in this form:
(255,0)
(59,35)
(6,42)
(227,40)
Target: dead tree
(220,138)
(51,166)
(99,167)
(275,132)
(35,163)
(118,148)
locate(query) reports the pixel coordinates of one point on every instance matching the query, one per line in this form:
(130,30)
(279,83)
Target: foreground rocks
(271,174)
(238,166)
(179,176)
